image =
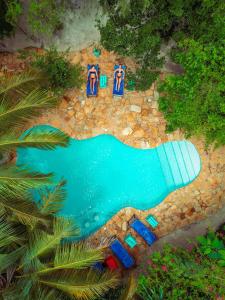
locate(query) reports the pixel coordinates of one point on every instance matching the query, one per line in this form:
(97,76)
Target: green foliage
(194,101)
(44,263)
(181,274)
(18,103)
(44,16)
(6,28)
(213,247)
(14,10)
(142,78)
(60,74)
(138,28)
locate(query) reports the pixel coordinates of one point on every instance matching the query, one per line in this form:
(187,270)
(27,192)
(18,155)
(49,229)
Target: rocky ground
(135,120)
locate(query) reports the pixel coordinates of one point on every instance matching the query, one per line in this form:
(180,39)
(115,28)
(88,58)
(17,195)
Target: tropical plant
(14,10)
(6,26)
(60,74)
(43,262)
(177,273)
(19,101)
(194,101)
(45,16)
(212,246)
(138,28)
(125,291)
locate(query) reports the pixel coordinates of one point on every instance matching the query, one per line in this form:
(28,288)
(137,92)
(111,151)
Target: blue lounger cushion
(122,254)
(143,231)
(119,92)
(88,86)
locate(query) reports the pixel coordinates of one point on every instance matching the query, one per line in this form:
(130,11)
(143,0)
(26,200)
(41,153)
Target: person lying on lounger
(93,77)
(119,73)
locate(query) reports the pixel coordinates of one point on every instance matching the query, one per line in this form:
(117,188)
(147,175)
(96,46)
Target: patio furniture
(96,52)
(103,81)
(99,266)
(130,240)
(111,263)
(119,92)
(152,221)
(88,85)
(122,254)
(143,231)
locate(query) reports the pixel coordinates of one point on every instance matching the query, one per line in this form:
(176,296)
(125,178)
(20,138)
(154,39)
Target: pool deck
(135,120)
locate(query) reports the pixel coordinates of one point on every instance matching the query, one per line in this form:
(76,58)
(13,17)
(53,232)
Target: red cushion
(111,263)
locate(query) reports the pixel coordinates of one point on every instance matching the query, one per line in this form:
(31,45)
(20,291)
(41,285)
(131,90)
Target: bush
(138,28)
(182,274)
(44,17)
(9,14)
(59,72)
(142,78)
(194,101)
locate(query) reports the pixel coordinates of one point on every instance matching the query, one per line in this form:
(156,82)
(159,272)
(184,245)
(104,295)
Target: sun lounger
(88,86)
(143,231)
(119,92)
(130,240)
(122,254)
(152,221)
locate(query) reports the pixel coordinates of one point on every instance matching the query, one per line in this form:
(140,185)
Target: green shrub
(213,247)
(178,273)
(9,14)
(142,78)
(194,101)
(60,74)
(45,16)
(138,28)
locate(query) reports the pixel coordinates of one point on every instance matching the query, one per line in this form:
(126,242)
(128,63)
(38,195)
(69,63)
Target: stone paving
(135,120)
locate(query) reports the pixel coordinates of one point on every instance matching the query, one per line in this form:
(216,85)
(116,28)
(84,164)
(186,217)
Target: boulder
(135,108)
(127,131)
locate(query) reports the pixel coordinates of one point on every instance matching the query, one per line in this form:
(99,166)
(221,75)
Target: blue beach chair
(122,254)
(143,231)
(88,86)
(119,92)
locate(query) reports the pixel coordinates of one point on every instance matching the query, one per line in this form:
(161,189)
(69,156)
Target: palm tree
(20,100)
(37,258)
(41,263)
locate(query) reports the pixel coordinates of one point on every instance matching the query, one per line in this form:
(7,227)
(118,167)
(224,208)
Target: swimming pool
(104,175)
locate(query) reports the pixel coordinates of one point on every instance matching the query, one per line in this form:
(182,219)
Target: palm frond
(25,211)
(52,198)
(9,259)
(129,290)
(41,242)
(40,293)
(19,179)
(47,140)
(77,256)
(8,234)
(73,256)
(81,285)
(14,83)
(28,106)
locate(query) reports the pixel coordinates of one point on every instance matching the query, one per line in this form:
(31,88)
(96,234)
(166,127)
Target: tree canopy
(193,101)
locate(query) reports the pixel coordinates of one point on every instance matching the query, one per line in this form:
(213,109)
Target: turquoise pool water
(104,175)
